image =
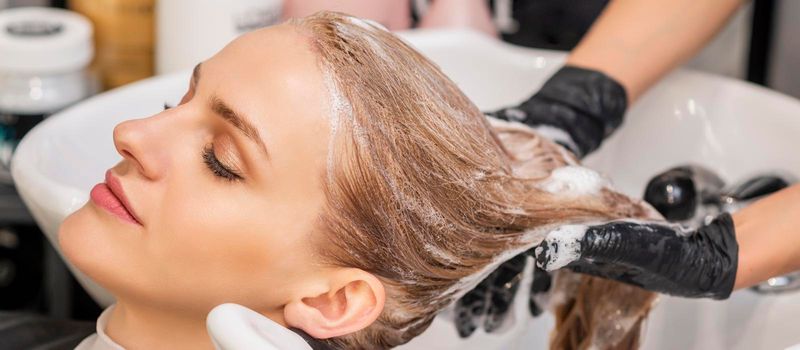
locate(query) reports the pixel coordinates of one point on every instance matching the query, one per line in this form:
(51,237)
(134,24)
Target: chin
(88,243)
(75,237)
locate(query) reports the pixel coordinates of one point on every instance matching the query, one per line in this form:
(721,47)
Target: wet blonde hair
(425,194)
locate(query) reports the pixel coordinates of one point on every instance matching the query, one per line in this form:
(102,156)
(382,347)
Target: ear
(354,300)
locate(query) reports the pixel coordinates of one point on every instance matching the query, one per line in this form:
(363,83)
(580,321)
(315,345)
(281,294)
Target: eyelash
(213,164)
(216,167)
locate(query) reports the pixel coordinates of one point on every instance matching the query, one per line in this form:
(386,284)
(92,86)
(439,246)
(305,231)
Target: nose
(139,143)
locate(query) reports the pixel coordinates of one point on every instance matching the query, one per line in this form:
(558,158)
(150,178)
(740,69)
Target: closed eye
(218,168)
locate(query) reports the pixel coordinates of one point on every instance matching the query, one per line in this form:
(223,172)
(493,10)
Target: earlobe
(354,300)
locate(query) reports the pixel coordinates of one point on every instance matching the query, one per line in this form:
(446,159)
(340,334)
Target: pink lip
(111,197)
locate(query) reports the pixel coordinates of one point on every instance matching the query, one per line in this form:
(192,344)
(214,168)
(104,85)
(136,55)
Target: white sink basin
(735,128)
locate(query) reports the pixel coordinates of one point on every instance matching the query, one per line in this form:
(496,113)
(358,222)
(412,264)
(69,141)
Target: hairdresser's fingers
(657,257)
(541,284)
(488,303)
(576,108)
(503,288)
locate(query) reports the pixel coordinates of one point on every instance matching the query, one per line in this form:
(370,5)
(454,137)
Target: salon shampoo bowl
(734,128)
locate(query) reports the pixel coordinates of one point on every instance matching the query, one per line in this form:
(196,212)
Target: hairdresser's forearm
(768,232)
(636,42)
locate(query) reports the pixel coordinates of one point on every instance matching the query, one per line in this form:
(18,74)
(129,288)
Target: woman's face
(226,185)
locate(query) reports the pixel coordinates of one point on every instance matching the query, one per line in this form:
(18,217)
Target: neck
(146,327)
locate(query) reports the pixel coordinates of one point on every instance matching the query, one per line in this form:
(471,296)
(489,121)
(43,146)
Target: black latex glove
(656,257)
(586,105)
(487,304)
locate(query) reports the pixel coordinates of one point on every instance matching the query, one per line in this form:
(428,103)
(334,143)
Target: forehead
(272,75)
(278,54)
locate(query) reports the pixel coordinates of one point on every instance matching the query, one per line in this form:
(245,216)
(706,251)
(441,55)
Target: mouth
(110,196)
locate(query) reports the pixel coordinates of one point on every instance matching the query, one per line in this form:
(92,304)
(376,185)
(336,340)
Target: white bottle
(190,31)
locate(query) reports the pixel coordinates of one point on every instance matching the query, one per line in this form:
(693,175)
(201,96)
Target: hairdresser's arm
(758,242)
(768,232)
(636,42)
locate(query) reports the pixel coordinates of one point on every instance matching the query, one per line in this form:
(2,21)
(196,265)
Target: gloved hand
(657,257)
(487,304)
(576,107)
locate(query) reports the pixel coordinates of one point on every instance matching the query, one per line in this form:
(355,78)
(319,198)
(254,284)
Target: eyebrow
(238,120)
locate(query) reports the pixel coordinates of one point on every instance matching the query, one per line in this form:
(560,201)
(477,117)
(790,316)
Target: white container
(190,31)
(44,53)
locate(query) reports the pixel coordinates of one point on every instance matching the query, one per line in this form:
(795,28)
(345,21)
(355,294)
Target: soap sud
(411,203)
(566,154)
(557,135)
(347,32)
(366,23)
(678,229)
(573,180)
(517,211)
(564,246)
(339,107)
(516,115)
(441,254)
(511,124)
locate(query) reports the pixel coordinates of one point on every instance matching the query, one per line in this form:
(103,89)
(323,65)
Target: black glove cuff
(723,234)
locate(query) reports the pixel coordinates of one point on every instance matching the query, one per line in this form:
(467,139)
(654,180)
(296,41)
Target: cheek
(214,242)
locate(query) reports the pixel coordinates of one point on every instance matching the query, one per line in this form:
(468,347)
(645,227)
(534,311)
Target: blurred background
(55,53)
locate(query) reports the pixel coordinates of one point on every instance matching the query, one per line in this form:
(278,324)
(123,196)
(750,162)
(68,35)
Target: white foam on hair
(440,253)
(343,30)
(564,246)
(339,107)
(678,229)
(566,154)
(496,123)
(574,180)
(366,23)
(517,211)
(427,212)
(557,135)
